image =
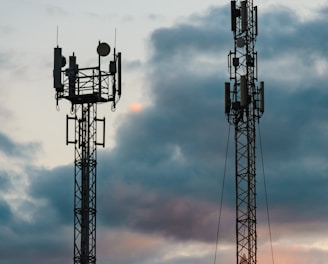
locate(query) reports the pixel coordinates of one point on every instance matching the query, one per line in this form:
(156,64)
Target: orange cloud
(136,107)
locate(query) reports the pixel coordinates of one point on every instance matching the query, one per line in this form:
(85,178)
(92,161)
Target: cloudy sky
(161,173)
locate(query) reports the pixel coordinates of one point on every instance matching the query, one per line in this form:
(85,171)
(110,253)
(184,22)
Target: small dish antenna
(240,42)
(103,49)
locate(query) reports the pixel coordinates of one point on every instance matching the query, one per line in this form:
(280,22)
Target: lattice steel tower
(85,88)
(244,105)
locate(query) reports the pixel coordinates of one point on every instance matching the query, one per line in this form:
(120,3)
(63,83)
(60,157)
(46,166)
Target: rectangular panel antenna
(261,91)
(233,16)
(119,91)
(243,91)
(57,70)
(244,17)
(227,100)
(256,24)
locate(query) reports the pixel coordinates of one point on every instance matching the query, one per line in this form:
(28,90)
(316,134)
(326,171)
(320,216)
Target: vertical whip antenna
(115,39)
(57,35)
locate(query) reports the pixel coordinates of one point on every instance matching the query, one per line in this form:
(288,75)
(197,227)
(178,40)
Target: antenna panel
(71,72)
(261,91)
(256,24)
(244,17)
(243,91)
(112,67)
(227,100)
(119,91)
(233,16)
(57,74)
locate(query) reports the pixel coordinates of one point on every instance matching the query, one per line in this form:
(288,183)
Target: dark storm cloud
(177,146)
(14,149)
(5,182)
(173,151)
(164,174)
(34,222)
(282,32)
(173,216)
(299,119)
(56,186)
(169,147)
(294,139)
(37,227)
(201,34)
(294,125)
(5,212)
(19,246)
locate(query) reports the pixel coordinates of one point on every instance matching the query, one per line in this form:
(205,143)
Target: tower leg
(85,185)
(246,236)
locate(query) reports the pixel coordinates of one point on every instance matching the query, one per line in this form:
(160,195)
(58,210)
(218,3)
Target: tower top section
(244,98)
(99,84)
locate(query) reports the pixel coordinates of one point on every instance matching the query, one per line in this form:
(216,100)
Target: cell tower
(244,105)
(85,88)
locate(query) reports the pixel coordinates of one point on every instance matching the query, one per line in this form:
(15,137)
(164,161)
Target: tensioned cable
(221,199)
(266,194)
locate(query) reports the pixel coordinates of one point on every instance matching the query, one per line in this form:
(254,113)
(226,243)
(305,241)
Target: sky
(161,173)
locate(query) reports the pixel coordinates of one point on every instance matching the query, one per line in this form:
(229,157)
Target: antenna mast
(85,88)
(244,105)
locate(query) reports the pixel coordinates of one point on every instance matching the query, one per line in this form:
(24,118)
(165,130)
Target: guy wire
(266,194)
(221,198)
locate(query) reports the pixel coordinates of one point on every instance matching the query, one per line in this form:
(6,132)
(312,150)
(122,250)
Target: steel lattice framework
(85,88)
(85,183)
(244,105)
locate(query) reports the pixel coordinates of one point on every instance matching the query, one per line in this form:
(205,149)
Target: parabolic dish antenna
(103,49)
(240,42)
